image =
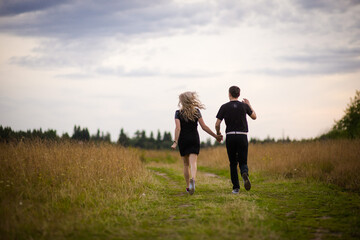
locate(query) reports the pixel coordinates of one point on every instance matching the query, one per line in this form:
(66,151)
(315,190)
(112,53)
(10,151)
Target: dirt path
(273,209)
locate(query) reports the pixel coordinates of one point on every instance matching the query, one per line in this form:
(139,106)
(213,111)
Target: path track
(273,209)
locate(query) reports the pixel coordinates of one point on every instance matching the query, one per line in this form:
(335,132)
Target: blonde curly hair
(188,102)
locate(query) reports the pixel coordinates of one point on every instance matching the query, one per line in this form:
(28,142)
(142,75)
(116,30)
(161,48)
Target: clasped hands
(219,137)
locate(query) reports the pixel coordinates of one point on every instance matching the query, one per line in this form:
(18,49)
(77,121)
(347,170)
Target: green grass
(273,209)
(161,209)
(304,209)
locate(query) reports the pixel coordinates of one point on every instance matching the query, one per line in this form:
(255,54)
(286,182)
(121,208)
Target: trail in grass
(273,209)
(211,213)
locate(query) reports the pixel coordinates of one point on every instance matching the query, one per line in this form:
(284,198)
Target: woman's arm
(177,133)
(208,130)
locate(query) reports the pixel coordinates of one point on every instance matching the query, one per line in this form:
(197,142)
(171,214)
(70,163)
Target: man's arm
(217,126)
(253,114)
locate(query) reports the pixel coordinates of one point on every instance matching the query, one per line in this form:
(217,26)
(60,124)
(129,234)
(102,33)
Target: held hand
(219,138)
(174,146)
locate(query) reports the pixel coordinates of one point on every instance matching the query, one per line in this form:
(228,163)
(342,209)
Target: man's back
(234,113)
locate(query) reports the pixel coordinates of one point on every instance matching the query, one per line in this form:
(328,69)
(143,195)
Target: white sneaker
(192,186)
(235,191)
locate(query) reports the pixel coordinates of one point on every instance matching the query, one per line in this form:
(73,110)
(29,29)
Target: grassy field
(86,191)
(336,162)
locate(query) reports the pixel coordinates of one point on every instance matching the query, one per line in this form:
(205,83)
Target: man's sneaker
(192,186)
(187,190)
(246,179)
(235,191)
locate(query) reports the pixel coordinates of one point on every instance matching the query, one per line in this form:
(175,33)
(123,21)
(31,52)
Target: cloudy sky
(123,63)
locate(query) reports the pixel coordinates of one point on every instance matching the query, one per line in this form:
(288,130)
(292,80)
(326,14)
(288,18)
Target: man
(234,112)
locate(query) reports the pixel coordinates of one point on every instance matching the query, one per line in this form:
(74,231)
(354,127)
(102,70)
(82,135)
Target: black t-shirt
(234,113)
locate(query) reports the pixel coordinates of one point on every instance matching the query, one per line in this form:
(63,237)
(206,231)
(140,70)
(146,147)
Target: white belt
(245,133)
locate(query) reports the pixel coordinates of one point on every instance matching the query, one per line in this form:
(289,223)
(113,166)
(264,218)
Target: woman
(187,136)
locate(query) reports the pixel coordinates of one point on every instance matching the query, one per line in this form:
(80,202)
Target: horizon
(147,134)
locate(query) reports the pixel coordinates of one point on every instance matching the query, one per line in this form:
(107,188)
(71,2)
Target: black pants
(237,150)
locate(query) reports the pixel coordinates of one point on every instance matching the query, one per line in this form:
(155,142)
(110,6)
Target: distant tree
(151,142)
(143,135)
(143,142)
(268,139)
(284,140)
(138,134)
(349,125)
(6,134)
(123,139)
(208,142)
(139,139)
(65,136)
(80,134)
(158,140)
(36,134)
(50,135)
(167,140)
(85,134)
(106,137)
(96,137)
(101,137)
(76,134)
(167,136)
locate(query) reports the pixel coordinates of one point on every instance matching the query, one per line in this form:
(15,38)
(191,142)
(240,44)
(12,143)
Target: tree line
(140,139)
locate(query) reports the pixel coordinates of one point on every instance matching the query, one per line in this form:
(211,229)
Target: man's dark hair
(234,91)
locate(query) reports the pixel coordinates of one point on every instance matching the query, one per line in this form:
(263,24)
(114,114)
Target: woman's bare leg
(193,165)
(186,170)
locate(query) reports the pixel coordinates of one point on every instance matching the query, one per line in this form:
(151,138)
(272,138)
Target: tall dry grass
(47,187)
(335,161)
(163,156)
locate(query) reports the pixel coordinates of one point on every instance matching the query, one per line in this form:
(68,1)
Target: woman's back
(187,126)
(189,140)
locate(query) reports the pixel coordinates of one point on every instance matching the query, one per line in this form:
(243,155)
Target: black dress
(189,140)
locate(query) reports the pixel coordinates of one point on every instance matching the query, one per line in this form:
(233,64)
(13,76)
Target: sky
(123,63)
